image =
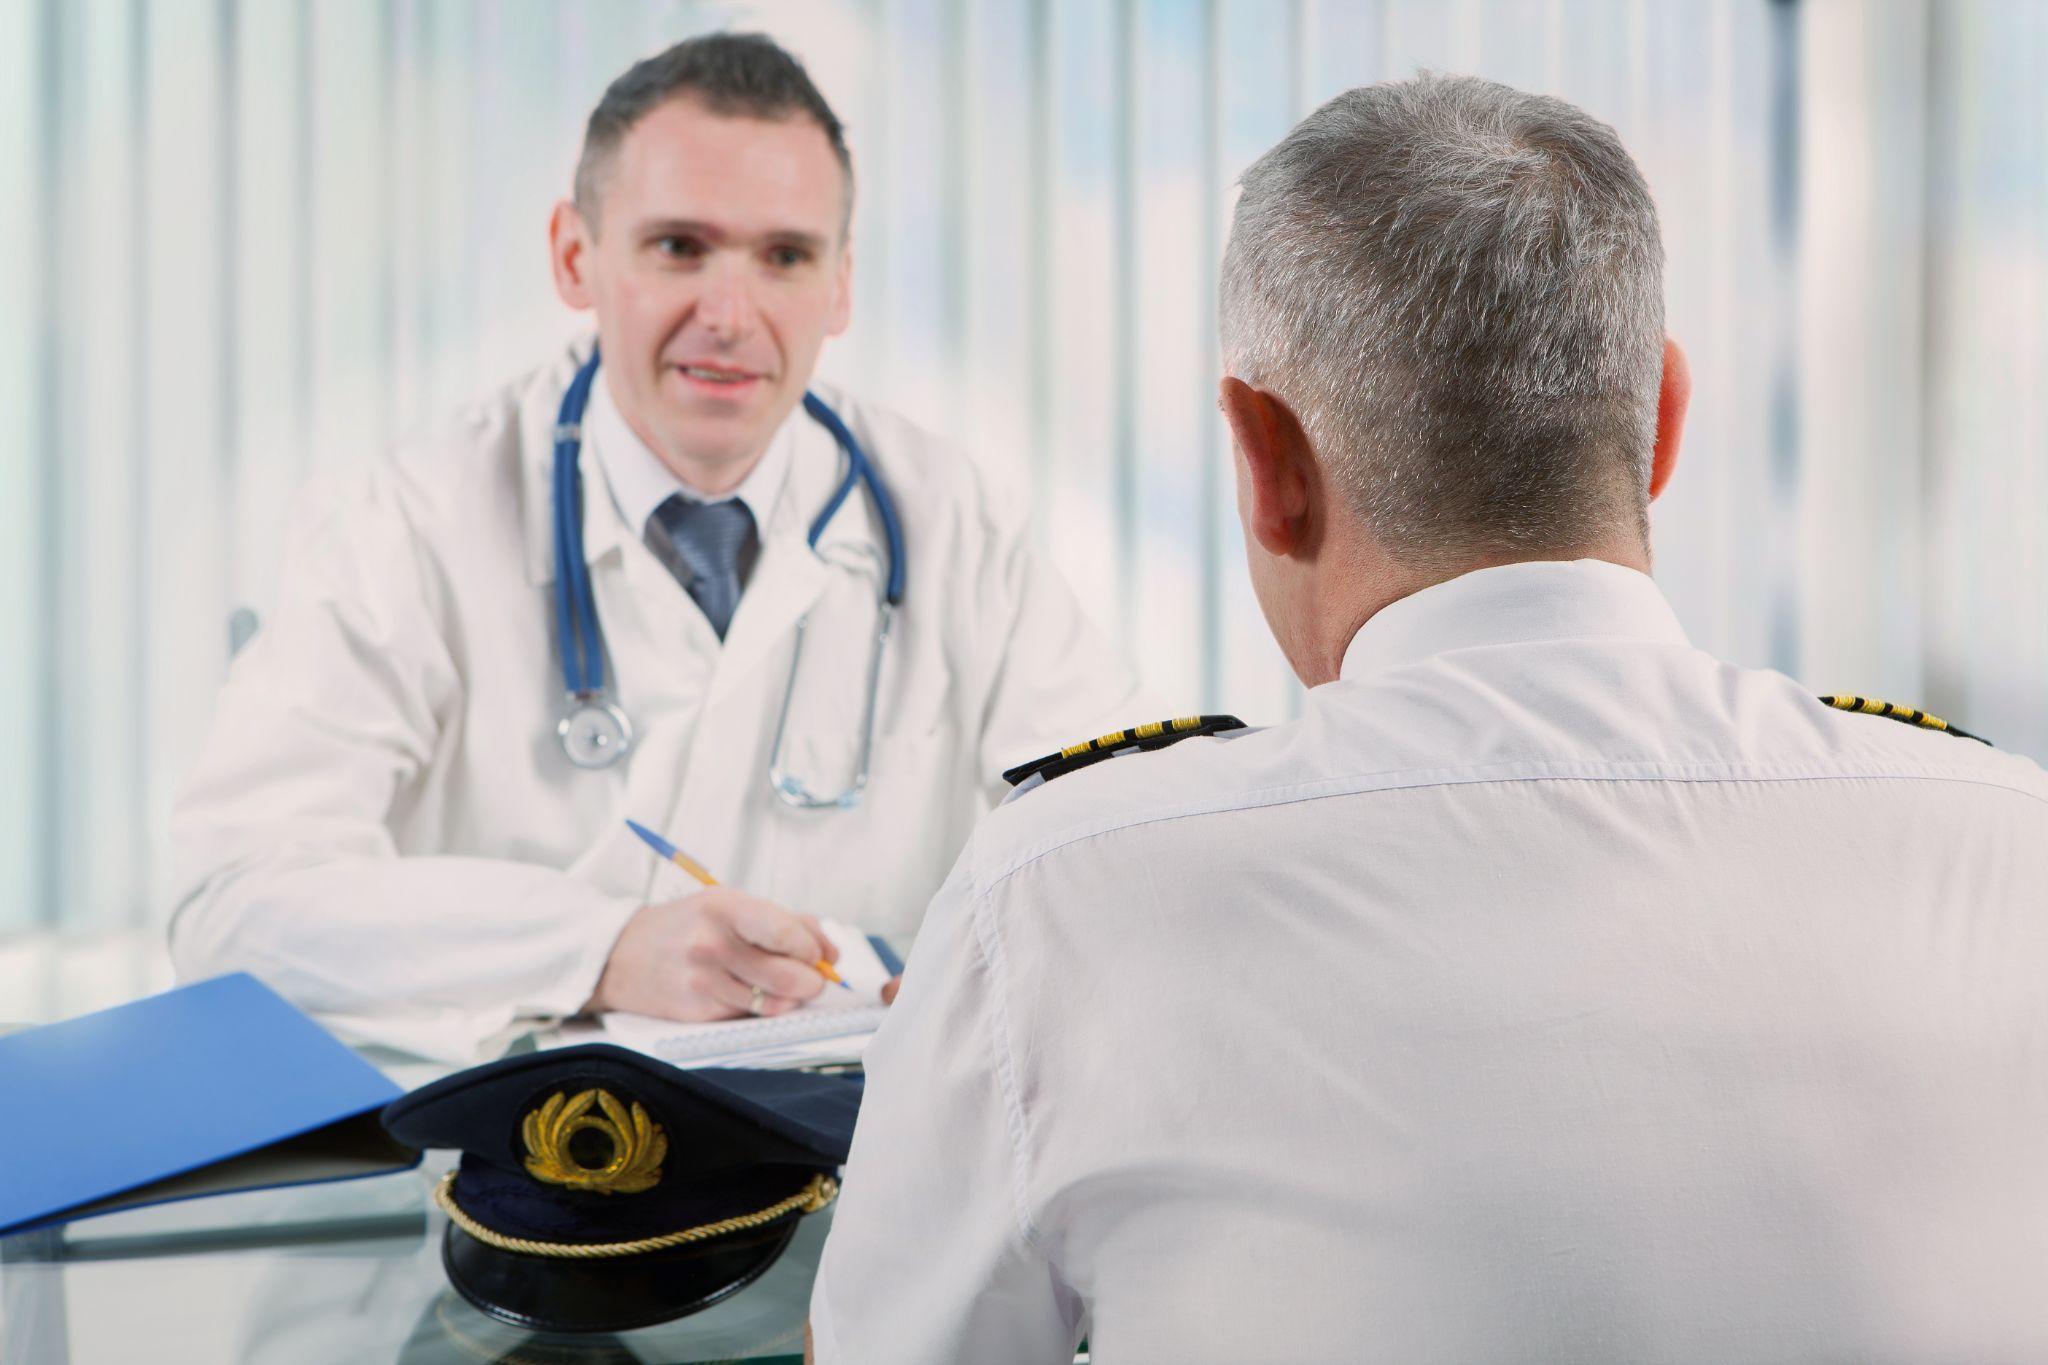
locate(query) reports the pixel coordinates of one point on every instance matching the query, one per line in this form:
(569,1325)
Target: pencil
(696,869)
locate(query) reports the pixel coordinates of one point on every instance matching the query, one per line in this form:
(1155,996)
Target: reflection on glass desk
(347,1272)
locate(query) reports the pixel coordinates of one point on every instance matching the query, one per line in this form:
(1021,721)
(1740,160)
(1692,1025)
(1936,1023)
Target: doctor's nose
(726,307)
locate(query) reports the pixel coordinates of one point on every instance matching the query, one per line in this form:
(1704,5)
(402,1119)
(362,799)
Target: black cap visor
(610,1293)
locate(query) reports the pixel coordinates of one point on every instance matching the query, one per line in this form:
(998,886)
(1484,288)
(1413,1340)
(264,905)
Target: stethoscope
(594,730)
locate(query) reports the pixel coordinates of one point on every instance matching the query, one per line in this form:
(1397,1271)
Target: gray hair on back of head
(1457,287)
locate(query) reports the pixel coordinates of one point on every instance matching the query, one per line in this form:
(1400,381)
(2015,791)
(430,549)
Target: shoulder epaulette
(1157,735)
(1871,706)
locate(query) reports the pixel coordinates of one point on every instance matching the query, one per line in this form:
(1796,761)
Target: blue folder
(211,1088)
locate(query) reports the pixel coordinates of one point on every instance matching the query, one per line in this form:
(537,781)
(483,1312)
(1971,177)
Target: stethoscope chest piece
(595,733)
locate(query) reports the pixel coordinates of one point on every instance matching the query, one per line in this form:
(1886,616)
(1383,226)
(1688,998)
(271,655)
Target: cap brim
(611,1293)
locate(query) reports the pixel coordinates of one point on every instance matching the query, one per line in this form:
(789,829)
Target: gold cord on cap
(821,1190)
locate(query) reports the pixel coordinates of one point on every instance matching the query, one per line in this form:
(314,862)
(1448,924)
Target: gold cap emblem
(621,1155)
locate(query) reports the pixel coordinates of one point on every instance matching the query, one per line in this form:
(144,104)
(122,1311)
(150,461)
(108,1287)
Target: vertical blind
(248,241)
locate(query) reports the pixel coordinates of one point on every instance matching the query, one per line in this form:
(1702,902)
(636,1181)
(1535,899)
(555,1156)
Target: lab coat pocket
(877,863)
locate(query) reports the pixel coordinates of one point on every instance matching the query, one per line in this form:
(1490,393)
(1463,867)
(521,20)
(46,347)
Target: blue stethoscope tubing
(859,467)
(595,732)
(575,606)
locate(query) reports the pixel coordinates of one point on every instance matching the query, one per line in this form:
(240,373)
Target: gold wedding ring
(754,1000)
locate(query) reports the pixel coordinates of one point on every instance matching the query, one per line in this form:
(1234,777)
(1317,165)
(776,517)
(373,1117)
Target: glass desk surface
(343,1272)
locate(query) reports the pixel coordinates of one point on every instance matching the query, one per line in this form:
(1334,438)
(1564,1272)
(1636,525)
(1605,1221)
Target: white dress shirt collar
(1511,604)
(640,482)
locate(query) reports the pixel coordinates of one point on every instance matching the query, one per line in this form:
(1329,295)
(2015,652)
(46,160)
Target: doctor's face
(717,268)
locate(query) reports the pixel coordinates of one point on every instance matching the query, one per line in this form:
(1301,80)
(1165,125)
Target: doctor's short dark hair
(741,75)
(1458,288)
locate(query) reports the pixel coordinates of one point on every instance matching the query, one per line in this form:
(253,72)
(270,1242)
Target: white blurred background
(243,240)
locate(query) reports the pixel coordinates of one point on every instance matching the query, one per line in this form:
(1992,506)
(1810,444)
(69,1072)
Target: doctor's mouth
(726,385)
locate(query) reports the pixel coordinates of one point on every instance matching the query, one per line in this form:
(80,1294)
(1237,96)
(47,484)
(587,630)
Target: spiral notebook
(834,1028)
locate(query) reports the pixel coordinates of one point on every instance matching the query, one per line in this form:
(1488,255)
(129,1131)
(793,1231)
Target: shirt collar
(640,482)
(1514,604)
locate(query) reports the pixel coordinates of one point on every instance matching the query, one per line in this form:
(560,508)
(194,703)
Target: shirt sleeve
(286,864)
(930,1256)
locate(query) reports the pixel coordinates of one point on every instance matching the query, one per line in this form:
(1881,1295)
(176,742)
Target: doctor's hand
(701,957)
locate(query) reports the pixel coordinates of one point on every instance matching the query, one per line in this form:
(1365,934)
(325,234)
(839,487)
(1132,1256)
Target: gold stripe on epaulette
(1876,706)
(1155,734)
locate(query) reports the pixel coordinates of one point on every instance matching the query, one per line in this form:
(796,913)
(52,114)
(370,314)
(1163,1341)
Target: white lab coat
(383,826)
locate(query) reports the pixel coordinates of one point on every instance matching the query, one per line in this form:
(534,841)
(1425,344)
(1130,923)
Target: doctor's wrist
(605,993)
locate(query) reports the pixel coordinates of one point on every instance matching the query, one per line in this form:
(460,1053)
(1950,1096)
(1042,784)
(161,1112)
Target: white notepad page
(833,1026)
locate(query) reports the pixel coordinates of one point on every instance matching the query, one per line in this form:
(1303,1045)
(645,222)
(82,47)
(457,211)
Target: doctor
(409,815)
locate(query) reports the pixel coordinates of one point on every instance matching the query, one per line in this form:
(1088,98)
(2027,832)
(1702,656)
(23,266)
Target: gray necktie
(706,546)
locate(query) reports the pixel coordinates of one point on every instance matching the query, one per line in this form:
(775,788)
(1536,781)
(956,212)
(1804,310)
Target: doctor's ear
(842,290)
(569,238)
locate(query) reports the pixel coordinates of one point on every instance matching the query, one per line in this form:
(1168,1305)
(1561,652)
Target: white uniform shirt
(1549,991)
(383,825)
(641,483)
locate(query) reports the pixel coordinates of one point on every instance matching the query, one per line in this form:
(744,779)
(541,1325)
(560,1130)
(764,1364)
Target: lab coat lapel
(723,794)
(719,791)
(667,659)
(786,581)
(790,576)
(661,659)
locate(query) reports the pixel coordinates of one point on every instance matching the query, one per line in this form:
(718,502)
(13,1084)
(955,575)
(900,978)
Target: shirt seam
(1395,780)
(1017,1123)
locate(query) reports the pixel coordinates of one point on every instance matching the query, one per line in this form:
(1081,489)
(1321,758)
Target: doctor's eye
(680,248)
(788,257)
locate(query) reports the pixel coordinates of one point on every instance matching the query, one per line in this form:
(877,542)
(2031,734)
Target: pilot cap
(601,1190)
